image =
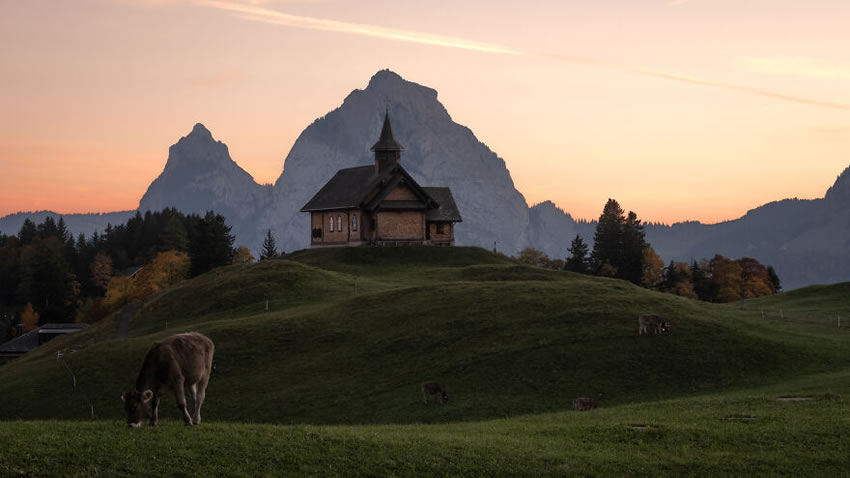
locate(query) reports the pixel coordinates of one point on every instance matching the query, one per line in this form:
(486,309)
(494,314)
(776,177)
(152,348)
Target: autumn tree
(533,257)
(269,247)
(578,260)
(101,270)
(29,318)
(727,282)
(166,269)
(243,256)
(653,269)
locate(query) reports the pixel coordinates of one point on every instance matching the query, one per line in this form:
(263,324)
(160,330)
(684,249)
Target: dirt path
(124,317)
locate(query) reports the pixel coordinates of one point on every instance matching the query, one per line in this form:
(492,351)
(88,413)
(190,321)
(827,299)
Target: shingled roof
(448,210)
(346,189)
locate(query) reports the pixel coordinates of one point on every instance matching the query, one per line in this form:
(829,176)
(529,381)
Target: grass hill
(322,353)
(349,335)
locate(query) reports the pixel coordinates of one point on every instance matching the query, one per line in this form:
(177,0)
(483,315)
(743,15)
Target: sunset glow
(681,110)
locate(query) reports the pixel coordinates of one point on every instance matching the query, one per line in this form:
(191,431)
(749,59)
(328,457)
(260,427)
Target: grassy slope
(351,333)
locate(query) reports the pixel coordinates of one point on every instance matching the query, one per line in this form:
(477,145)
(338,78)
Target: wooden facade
(381,204)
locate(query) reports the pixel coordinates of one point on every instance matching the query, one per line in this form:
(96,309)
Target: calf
(656,321)
(583,404)
(434,388)
(182,360)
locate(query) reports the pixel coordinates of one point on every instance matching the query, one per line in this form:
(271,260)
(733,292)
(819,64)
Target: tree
(47,281)
(269,247)
(243,256)
(607,240)
(726,279)
(653,269)
(28,232)
(533,257)
(701,281)
(101,271)
(774,279)
(165,269)
(210,243)
(578,260)
(29,318)
(634,245)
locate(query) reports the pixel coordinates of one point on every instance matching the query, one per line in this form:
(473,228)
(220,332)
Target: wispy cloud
(799,66)
(267,15)
(276,17)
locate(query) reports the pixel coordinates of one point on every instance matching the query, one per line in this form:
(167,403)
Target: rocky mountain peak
(840,190)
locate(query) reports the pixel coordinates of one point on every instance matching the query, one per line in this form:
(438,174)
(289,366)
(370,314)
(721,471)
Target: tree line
(620,250)
(47,275)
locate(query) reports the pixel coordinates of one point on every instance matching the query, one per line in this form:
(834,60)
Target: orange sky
(679,109)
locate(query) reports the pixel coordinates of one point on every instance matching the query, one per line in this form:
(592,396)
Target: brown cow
(182,360)
(434,388)
(583,404)
(654,320)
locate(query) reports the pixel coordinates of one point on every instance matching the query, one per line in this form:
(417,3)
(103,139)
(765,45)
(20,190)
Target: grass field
(326,381)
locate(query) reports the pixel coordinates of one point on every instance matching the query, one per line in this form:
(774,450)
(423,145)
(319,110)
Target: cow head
(665,327)
(136,406)
(445,397)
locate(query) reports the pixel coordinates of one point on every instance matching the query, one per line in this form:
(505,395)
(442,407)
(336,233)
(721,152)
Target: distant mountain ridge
(807,241)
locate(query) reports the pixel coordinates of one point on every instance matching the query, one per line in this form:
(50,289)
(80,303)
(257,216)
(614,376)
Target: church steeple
(387,149)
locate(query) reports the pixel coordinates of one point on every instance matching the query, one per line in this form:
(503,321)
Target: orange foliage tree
(29,318)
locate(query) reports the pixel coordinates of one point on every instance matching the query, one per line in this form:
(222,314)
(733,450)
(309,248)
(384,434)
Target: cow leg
(200,394)
(180,392)
(155,409)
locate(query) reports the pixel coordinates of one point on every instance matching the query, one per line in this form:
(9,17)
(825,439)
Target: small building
(32,339)
(381,204)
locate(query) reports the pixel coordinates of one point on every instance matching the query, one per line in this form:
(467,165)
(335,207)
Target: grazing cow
(656,321)
(434,388)
(182,360)
(583,404)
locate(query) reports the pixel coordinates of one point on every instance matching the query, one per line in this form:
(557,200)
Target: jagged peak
(841,187)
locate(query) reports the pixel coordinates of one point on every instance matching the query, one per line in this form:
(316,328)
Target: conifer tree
(269,247)
(607,240)
(577,262)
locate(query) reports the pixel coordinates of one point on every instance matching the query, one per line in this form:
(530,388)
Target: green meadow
(319,358)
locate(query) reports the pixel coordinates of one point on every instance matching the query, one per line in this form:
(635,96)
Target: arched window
(339,223)
(331,222)
(354,222)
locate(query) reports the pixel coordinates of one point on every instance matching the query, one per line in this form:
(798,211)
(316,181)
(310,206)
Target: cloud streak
(275,17)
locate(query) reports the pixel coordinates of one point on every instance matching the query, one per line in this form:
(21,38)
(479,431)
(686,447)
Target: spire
(387,142)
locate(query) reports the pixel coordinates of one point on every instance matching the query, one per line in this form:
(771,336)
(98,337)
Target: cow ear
(122,397)
(147,395)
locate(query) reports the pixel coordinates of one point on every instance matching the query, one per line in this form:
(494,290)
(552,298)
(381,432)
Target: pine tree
(269,247)
(210,243)
(634,244)
(607,240)
(578,260)
(28,232)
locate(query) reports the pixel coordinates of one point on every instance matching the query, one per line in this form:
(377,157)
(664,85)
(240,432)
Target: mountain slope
(200,176)
(439,152)
(807,241)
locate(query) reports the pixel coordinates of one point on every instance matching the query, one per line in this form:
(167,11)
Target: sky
(679,109)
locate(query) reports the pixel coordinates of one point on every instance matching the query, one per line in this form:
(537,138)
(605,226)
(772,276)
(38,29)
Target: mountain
(199,176)
(78,224)
(438,152)
(806,240)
